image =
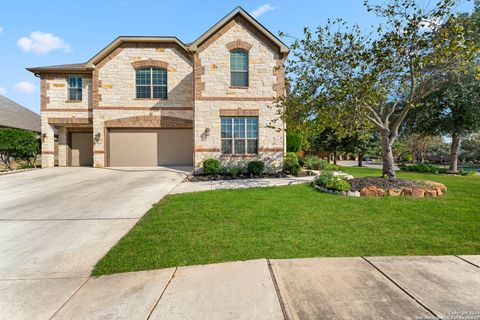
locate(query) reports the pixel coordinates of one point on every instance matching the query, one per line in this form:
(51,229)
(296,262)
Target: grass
(297,221)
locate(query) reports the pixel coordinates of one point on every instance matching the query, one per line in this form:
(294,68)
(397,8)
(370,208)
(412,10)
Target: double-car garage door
(150,147)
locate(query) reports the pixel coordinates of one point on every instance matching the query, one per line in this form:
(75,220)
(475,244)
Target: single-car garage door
(150,147)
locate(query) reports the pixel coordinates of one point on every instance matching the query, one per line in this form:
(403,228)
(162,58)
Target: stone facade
(199,92)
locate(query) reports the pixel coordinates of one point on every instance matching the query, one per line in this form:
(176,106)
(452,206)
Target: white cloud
(3,91)
(262,9)
(42,42)
(1,30)
(24,86)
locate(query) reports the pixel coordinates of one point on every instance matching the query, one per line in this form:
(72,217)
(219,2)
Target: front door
(81,149)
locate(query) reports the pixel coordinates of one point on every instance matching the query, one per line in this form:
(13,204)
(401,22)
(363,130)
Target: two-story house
(156,101)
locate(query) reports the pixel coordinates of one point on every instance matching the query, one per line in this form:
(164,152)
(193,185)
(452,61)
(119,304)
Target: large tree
(344,76)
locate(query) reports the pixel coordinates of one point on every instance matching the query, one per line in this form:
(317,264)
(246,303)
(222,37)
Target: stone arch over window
(239,44)
(149,64)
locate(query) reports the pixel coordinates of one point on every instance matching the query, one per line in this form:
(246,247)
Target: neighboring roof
(90,64)
(13,115)
(75,67)
(238,11)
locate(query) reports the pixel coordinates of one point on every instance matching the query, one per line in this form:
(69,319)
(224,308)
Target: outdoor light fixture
(207,132)
(44,137)
(97,137)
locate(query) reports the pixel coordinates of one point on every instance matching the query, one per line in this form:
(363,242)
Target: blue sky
(39,33)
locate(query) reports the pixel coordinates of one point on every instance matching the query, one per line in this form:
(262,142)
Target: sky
(41,33)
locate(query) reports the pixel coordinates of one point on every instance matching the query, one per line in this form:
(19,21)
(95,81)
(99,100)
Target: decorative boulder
(372,191)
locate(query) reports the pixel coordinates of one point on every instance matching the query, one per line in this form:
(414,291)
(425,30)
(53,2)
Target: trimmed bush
(294,142)
(315,163)
(212,166)
(422,167)
(328,181)
(234,170)
(332,167)
(467,172)
(256,167)
(290,164)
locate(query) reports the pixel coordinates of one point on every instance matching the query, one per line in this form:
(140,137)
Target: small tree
(329,141)
(18,144)
(294,142)
(360,143)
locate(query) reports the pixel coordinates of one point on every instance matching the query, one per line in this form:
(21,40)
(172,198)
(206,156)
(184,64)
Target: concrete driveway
(56,223)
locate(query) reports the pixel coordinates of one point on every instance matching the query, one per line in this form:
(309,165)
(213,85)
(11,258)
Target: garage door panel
(133,148)
(150,147)
(81,149)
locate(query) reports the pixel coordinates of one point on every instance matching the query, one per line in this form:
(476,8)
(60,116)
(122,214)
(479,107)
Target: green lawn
(297,221)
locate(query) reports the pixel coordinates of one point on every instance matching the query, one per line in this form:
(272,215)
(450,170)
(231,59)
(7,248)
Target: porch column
(62,147)
(48,145)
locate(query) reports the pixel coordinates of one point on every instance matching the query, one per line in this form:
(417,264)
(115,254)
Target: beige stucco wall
(117,79)
(216,61)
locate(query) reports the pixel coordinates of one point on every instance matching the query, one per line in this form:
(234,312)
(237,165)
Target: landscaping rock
(430,193)
(436,185)
(395,192)
(372,191)
(418,193)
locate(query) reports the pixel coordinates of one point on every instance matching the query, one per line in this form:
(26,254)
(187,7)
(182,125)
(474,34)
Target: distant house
(13,115)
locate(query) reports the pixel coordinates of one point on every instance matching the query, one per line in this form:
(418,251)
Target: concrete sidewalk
(186,186)
(313,288)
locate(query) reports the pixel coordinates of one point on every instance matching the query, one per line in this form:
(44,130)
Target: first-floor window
(239,135)
(74,88)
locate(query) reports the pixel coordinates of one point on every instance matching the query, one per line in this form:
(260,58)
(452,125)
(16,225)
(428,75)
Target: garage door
(150,147)
(81,149)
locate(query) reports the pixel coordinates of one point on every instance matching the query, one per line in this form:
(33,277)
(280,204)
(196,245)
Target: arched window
(151,83)
(239,68)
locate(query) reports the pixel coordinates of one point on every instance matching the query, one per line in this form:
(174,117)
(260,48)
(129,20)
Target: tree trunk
(388,162)
(360,160)
(335,157)
(454,153)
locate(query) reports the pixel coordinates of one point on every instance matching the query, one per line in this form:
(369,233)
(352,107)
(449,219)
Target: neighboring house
(13,115)
(148,101)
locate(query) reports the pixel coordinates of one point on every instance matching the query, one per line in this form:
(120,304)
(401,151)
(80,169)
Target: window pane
(75,82)
(252,146)
(239,146)
(75,94)
(159,77)
(226,127)
(227,146)
(143,76)
(239,79)
(239,60)
(252,127)
(143,92)
(160,92)
(239,127)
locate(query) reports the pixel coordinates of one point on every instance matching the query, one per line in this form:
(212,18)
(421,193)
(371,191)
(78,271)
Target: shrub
(294,142)
(467,172)
(331,182)
(301,161)
(290,164)
(22,145)
(212,166)
(408,157)
(256,167)
(234,170)
(315,163)
(332,167)
(422,167)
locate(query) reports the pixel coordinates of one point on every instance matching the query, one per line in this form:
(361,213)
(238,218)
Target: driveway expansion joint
(465,260)
(405,290)
(161,294)
(69,298)
(277,291)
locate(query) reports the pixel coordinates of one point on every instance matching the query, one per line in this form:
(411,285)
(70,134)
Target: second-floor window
(151,83)
(239,68)
(74,88)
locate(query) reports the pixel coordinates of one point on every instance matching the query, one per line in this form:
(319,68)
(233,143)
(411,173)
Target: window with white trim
(239,68)
(151,83)
(239,135)
(74,88)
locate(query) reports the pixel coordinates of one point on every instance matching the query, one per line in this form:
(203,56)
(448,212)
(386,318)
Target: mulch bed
(204,177)
(358,184)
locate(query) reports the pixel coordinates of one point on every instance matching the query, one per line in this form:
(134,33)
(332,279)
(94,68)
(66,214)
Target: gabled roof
(117,42)
(238,11)
(13,115)
(90,64)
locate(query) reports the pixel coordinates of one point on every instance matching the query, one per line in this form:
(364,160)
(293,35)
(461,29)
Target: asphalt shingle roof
(14,115)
